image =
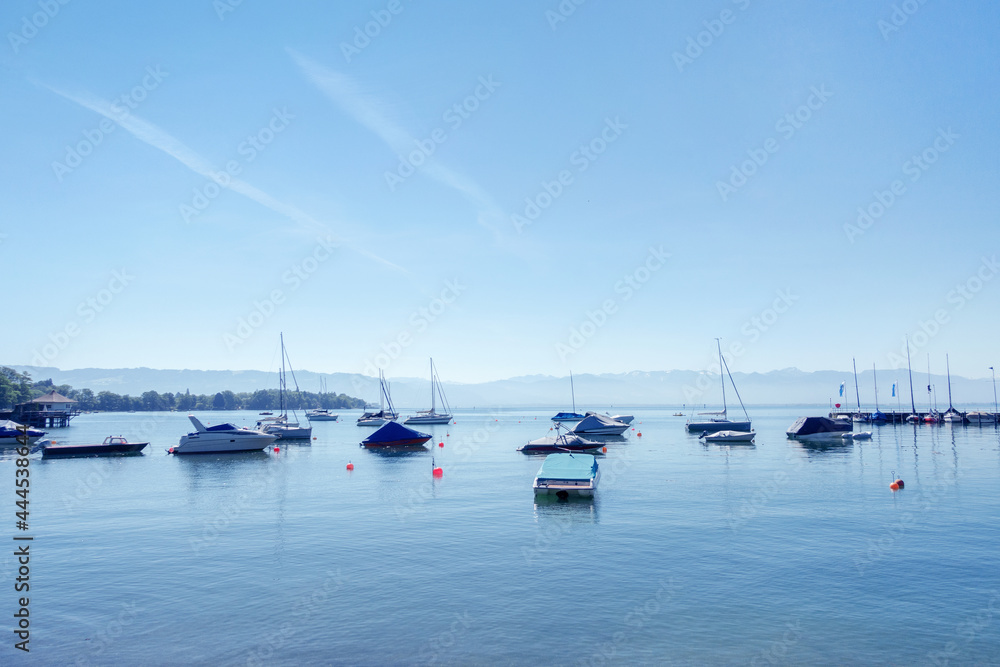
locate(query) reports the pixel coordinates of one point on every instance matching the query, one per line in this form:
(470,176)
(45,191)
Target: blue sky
(697,172)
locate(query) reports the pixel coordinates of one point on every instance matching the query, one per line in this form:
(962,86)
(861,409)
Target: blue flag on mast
(841,388)
(894,389)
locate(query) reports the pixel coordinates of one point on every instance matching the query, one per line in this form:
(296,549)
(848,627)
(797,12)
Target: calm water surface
(690,553)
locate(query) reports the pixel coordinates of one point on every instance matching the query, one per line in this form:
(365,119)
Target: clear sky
(183,181)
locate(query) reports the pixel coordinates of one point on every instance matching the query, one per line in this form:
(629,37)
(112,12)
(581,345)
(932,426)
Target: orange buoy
(438,472)
(314,437)
(350,466)
(440,444)
(639,434)
(604,449)
(894,486)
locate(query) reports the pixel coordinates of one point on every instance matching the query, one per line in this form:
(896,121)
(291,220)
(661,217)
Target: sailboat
(723,423)
(432,416)
(913,417)
(321,414)
(858,416)
(383,415)
(952,416)
(932,415)
(279,426)
(569,416)
(878,417)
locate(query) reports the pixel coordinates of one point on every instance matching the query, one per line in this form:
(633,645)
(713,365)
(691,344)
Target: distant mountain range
(599,392)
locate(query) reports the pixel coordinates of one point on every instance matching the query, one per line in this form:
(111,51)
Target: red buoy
(440,444)
(604,449)
(639,434)
(438,472)
(350,466)
(277,449)
(900,483)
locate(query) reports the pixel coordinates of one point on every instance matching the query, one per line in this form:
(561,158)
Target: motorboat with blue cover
(563,475)
(113,445)
(394,434)
(818,428)
(221,438)
(10,430)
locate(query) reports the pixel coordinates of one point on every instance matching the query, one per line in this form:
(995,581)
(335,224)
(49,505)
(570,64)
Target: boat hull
(730,436)
(195,445)
(981,419)
(437,419)
(410,442)
(288,432)
(67,451)
(567,487)
(721,425)
(322,418)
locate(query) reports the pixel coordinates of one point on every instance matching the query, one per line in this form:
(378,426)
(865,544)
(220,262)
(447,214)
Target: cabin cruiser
(221,438)
(818,428)
(561,442)
(283,429)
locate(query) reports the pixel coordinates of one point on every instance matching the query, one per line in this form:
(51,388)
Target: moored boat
(432,416)
(595,424)
(321,415)
(562,442)
(818,428)
(10,431)
(728,436)
(394,434)
(722,423)
(112,446)
(566,474)
(221,438)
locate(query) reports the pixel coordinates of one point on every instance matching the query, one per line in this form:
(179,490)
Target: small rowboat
(728,436)
(113,445)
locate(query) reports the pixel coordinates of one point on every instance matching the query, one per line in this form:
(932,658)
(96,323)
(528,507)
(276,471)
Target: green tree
(151,401)
(87,400)
(109,401)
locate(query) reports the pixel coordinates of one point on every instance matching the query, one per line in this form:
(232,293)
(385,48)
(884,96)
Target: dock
(894,416)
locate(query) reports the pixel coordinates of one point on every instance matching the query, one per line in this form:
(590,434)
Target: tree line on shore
(19,388)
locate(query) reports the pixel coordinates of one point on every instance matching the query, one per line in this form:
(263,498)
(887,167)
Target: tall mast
(857,392)
(930,406)
(432,385)
(913,405)
(281,379)
(718,343)
(947,366)
(875,375)
(572,391)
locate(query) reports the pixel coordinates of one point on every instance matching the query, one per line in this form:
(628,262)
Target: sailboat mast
(930,406)
(718,343)
(913,405)
(857,392)
(572,391)
(432,385)
(875,375)
(281,379)
(947,366)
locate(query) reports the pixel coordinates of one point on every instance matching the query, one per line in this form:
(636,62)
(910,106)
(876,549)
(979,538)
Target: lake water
(690,553)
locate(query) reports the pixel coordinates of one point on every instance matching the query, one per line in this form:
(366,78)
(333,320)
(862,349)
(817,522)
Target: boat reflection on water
(565,512)
(396,451)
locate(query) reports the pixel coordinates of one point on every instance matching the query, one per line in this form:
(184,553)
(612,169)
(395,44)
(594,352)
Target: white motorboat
(722,423)
(321,415)
(595,424)
(280,426)
(432,416)
(560,442)
(625,419)
(857,435)
(563,475)
(11,430)
(221,438)
(728,436)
